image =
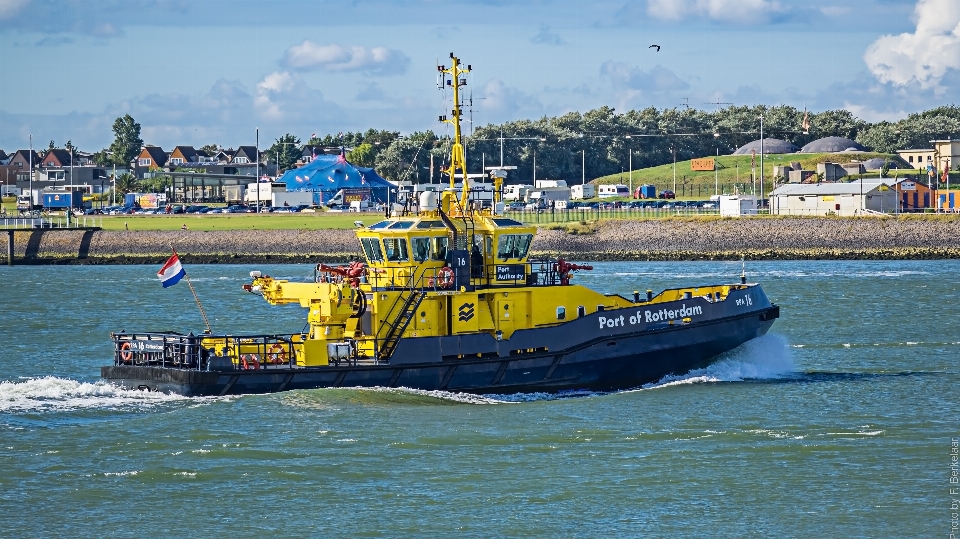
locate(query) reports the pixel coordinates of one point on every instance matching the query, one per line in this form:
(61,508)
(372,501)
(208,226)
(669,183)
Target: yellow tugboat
(449,299)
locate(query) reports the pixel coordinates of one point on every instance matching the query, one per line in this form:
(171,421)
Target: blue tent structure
(325,175)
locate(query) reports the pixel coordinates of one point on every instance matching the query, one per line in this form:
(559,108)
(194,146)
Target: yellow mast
(457,158)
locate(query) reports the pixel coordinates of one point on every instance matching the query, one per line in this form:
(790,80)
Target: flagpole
(203,314)
(195,296)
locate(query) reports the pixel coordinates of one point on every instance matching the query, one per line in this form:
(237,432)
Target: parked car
(667,193)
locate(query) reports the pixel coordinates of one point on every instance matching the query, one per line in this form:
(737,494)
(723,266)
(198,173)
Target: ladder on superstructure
(408,300)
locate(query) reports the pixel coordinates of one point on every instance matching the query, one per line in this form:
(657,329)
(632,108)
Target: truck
(582,192)
(344,197)
(63,200)
(262,192)
(291,198)
(646,191)
(546,197)
(516,192)
(29,200)
(233,194)
(145,200)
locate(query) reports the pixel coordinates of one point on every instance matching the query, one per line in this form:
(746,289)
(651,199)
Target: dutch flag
(171,272)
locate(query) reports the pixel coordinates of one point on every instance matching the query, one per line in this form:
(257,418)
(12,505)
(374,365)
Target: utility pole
(674,170)
(30,158)
(257,184)
(761,159)
(631,172)
(583,180)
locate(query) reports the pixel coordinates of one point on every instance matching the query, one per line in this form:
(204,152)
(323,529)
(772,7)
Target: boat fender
(125,354)
(250,362)
(277,354)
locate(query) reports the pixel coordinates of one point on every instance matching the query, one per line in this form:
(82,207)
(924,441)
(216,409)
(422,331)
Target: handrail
(196,352)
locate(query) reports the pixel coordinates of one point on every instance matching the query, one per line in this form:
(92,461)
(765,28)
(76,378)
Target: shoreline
(614,240)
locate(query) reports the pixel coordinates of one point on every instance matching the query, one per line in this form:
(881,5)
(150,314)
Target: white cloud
(271,93)
(719,10)
(336,57)
(657,79)
(924,56)
(10,8)
(547,37)
(504,102)
(285,98)
(867,113)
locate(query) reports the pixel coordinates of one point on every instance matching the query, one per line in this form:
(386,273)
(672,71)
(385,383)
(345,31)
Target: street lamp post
(257,180)
(30,158)
(761,159)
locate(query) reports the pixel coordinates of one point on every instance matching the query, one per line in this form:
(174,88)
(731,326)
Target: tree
(363,155)
(285,152)
(125,183)
(211,149)
(156,184)
(127,144)
(102,158)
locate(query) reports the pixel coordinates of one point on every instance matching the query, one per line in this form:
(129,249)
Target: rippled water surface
(837,424)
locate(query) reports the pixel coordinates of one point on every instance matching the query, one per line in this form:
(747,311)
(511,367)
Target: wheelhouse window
(401,225)
(439,251)
(396,249)
(430,224)
(513,246)
(421,249)
(381,224)
(371,248)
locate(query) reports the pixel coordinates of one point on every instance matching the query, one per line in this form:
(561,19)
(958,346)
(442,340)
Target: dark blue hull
(609,360)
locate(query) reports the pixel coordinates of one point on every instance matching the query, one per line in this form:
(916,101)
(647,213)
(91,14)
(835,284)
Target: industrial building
(844,199)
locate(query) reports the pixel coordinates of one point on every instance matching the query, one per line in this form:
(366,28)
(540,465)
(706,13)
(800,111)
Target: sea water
(838,423)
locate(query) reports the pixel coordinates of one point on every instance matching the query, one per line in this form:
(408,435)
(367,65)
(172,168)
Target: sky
(196,72)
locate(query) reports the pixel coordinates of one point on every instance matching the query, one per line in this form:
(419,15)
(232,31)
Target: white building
(845,199)
(737,205)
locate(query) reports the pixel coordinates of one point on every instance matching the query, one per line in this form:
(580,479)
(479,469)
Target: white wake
(61,394)
(764,358)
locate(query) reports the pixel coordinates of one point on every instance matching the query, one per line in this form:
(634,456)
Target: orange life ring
(445,277)
(125,354)
(250,361)
(277,354)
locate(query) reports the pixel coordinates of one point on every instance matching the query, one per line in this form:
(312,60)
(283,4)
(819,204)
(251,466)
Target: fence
(28,223)
(593,214)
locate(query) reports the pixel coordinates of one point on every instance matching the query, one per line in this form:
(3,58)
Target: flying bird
(652,46)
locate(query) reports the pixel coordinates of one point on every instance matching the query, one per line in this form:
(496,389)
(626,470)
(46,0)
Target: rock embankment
(787,238)
(671,239)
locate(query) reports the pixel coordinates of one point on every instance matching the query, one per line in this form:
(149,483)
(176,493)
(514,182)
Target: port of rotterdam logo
(466,312)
